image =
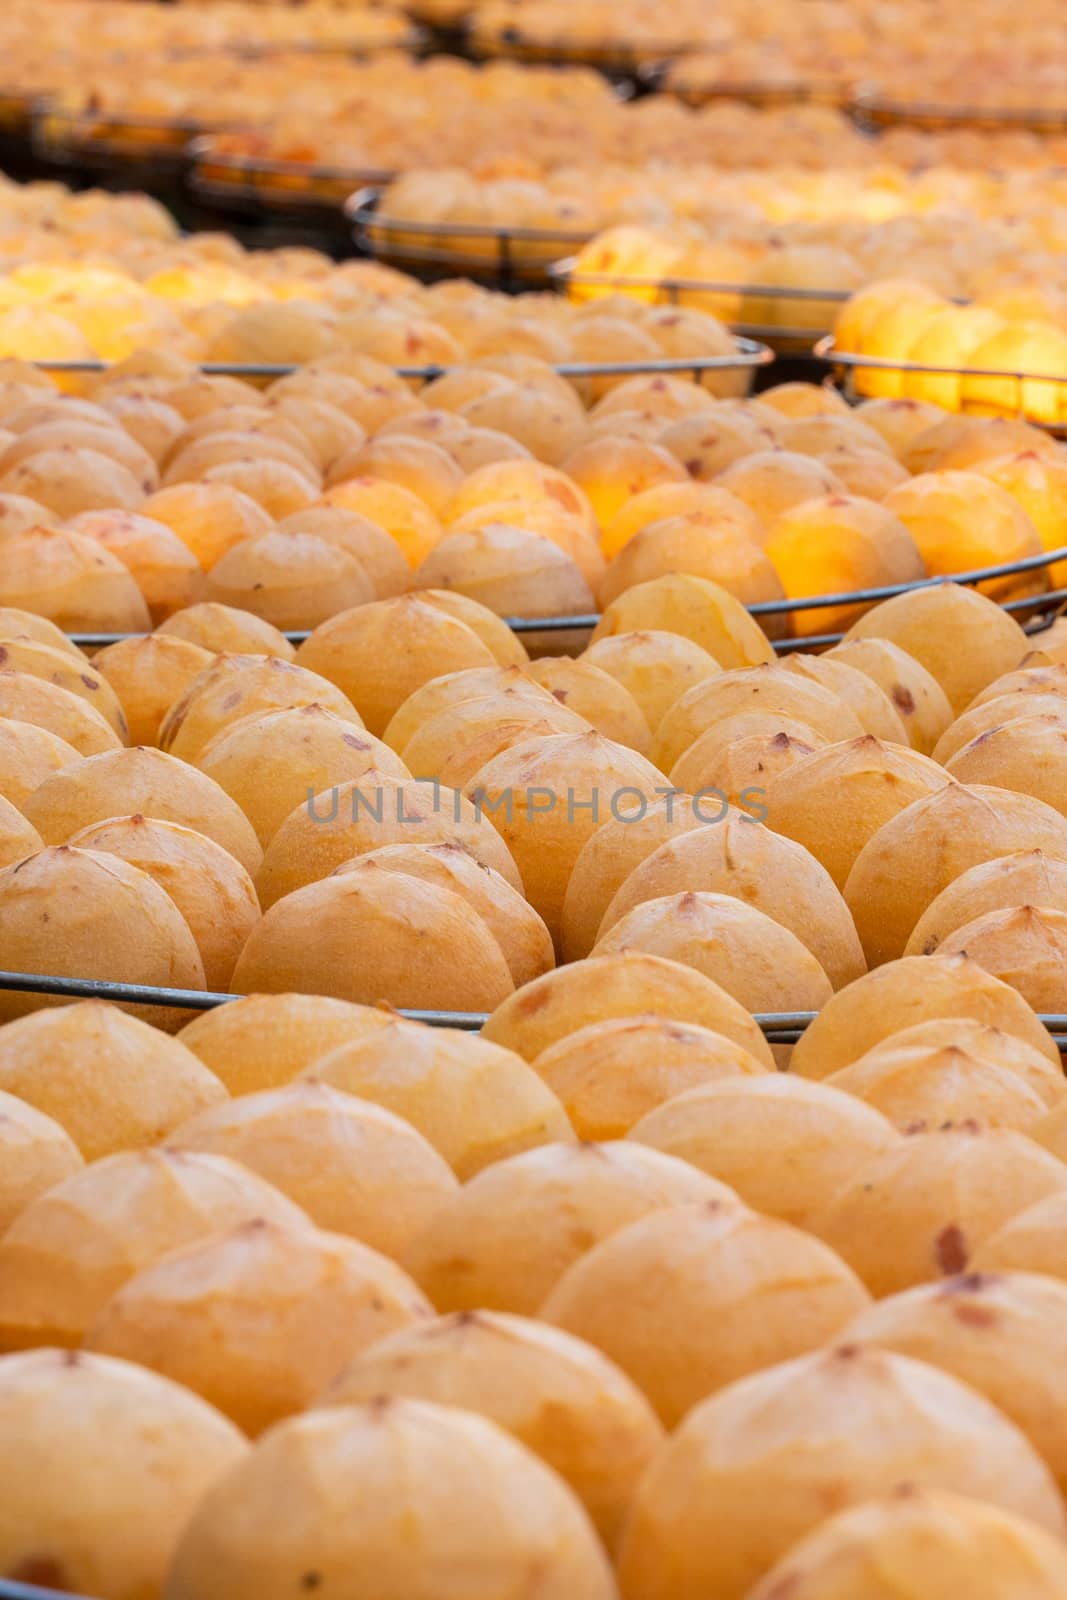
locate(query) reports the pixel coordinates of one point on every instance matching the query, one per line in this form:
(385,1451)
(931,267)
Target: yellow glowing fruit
(838,544)
(209,518)
(961,522)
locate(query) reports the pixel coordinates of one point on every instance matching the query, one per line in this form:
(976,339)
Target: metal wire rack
(143,148)
(778,1027)
(876,110)
(264,185)
(668,77)
(506,258)
(1038,609)
(725,300)
(623,56)
(749,354)
(1050,386)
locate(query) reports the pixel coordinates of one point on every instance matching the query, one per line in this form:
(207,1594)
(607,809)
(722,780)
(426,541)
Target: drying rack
(722,298)
(847,364)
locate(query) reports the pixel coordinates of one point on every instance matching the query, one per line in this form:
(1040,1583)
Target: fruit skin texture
(962,637)
(234,687)
(906,992)
(524,940)
(625,985)
(1001,1334)
(993,712)
(81,914)
(67,717)
(1026,946)
(610,1074)
(147,782)
(762,964)
(18,838)
(210,887)
(920,1544)
(606,860)
(697,609)
(113,1461)
(755,1468)
(785,1145)
(833,545)
(75,1245)
(28,755)
(380,653)
(269,763)
(363,814)
(1029,1241)
(515,1228)
(476,1102)
(354,1167)
(763,688)
(546,797)
(923,1208)
(148,675)
(773,874)
(375,936)
(555,1394)
(401,1499)
(920,850)
(913,691)
(112,1082)
(689,1299)
(266,1040)
(954,1071)
(256,1318)
(35,1154)
(1028,877)
(869,781)
(1027,755)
